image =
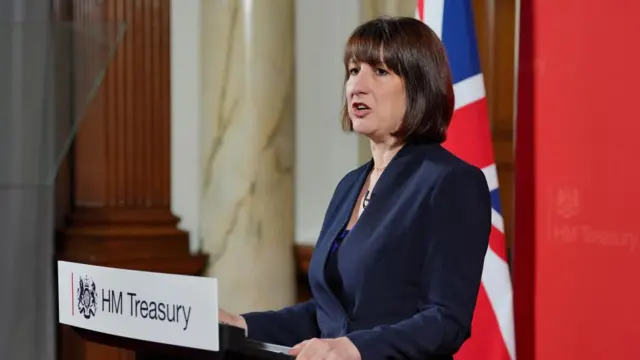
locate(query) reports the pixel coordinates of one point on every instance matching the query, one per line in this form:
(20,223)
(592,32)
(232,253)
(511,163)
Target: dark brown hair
(410,49)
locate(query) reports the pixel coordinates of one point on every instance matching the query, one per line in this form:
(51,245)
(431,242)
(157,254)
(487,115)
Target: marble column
(247,150)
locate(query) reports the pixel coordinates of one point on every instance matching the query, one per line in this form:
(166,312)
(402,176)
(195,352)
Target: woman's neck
(383,153)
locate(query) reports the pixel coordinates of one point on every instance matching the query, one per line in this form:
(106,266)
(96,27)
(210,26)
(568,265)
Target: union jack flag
(469,137)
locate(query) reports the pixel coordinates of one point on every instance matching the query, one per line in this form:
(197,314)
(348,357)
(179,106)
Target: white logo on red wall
(568,203)
(86,297)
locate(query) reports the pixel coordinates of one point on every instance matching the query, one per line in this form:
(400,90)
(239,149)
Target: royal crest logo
(86,296)
(568,203)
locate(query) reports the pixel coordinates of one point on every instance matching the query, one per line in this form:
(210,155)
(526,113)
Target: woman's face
(376,100)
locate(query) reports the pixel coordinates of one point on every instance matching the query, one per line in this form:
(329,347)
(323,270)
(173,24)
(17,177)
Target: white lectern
(157,316)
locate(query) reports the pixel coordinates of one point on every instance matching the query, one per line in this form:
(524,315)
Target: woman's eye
(353,71)
(380,71)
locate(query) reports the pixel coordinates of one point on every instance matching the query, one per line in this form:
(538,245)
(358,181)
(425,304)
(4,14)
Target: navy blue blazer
(411,266)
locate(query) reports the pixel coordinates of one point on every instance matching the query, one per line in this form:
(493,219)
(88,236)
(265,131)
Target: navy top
(332,272)
(410,269)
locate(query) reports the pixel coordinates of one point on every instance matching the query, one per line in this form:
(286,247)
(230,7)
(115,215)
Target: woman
(398,262)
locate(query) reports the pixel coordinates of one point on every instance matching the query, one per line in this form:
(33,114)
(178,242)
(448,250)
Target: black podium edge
(230,339)
(232,342)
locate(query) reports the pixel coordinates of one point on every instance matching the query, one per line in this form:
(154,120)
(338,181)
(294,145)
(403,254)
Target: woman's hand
(336,349)
(232,319)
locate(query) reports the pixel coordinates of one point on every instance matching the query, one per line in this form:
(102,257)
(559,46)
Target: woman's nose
(361,84)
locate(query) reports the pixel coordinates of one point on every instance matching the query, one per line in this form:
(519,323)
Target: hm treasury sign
(171,309)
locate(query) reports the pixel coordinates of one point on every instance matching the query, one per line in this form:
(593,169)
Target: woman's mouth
(360,109)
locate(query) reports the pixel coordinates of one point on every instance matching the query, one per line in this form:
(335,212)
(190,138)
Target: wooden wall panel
(119,173)
(495,26)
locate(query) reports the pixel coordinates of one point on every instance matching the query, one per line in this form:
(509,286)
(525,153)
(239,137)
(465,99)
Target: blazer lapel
(341,220)
(384,188)
(390,181)
(383,192)
(343,216)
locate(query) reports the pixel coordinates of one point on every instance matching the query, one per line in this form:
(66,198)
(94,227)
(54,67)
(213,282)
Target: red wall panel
(577,240)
